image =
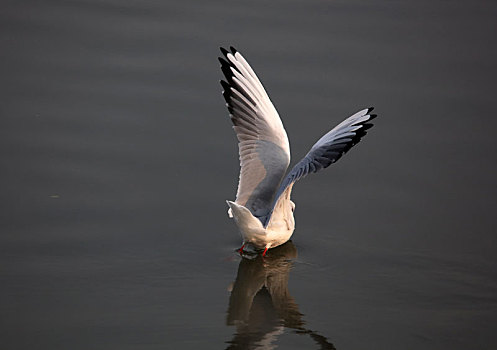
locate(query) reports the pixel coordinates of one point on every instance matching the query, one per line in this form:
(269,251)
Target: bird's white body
(278,231)
(263,210)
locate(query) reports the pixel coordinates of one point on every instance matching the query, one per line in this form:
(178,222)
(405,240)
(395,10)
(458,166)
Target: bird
(263,210)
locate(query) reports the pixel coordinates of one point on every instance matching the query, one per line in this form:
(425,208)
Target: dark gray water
(117,157)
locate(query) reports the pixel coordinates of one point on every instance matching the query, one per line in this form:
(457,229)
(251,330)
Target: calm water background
(117,156)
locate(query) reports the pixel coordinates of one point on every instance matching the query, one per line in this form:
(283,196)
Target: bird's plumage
(262,141)
(326,151)
(263,210)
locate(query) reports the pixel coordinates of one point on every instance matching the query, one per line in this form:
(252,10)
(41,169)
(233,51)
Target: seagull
(263,210)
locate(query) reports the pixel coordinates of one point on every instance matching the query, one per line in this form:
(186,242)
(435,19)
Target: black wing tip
(223,62)
(369,110)
(226,86)
(365,127)
(226,65)
(372,116)
(224,51)
(226,69)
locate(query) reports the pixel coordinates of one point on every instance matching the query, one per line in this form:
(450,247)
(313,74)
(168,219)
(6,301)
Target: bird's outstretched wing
(327,150)
(263,143)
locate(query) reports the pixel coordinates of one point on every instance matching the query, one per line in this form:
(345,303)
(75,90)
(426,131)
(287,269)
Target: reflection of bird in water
(263,210)
(260,304)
